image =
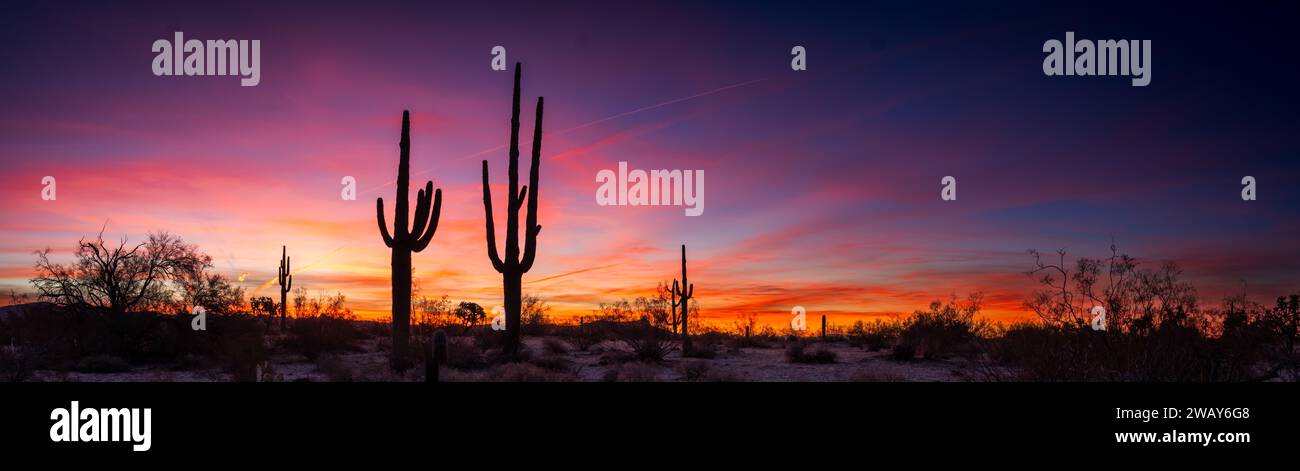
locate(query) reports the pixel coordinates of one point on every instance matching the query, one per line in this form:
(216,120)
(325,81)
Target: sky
(823,185)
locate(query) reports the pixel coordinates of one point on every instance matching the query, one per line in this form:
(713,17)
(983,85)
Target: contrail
(593,123)
(660,105)
(575,272)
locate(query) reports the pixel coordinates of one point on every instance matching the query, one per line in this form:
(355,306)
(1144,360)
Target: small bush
(616,357)
(15,365)
(705,346)
(526,372)
(555,363)
(874,336)
(554,346)
(694,370)
(903,352)
(635,372)
(946,329)
(313,336)
(649,343)
(102,364)
(798,352)
(240,348)
(335,369)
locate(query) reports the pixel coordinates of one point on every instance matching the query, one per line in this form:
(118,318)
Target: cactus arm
(383,225)
(530,242)
(432,218)
(491,227)
(289,286)
(422,199)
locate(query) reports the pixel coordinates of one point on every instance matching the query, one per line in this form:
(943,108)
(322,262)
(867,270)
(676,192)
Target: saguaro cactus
(435,355)
(515,264)
(823,327)
(286,283)
(404,240)
(682,295)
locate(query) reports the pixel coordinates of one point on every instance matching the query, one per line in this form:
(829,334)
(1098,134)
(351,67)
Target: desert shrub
(945,329)
(615,357)
(15,364)
(239,347)
(486,338)
(877,335)
(705,345)
(1169,352)
(634,372)
(526,372)
(902,352)
(313,336)
(265,372)
(551,363)
(532,315)
(335,369)
(751,341)
(462,353)
(694,370)
(800,352)
(706,351)
(102,364)
(648,343)
(590,332)
(192,362)
(554,346)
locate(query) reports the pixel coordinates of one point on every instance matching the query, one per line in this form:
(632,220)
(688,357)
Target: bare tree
(533,309)
(213,291)
(1133,297)
(118,278)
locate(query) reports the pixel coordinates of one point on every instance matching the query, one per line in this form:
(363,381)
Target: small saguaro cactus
(406,239)
(435,355)
(823,327)
(682,295)
(286,283)
(515,264)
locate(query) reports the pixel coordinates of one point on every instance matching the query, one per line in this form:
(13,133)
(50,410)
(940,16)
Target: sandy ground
(745,365)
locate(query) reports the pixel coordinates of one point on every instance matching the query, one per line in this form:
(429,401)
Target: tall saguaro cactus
(515,264)
(683,294)
(407,239)
(286,283)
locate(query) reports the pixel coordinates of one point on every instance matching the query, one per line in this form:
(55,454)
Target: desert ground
(555,360)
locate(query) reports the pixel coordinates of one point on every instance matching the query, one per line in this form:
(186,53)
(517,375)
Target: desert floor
(370,363)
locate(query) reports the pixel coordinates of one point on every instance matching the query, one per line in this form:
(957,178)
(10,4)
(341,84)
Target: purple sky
(822,185)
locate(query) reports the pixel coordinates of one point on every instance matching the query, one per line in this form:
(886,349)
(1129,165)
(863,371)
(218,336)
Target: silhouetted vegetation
(682,295)
(406,239)
(1157,330)
(515,263)
(801,352)
(943,330)
(122,278)
(285,280)
(323,325)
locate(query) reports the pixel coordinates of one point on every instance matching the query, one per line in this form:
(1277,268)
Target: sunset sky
(822,186)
